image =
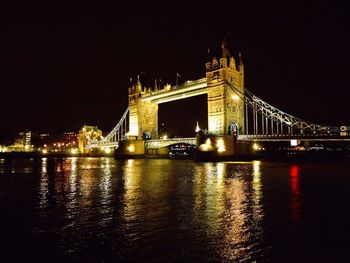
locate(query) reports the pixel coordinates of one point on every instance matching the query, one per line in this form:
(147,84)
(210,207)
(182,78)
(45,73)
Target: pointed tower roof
(155,85)
(240,59)
(138,84)
(197,128)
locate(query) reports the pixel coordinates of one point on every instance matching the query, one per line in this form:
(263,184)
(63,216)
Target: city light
(221,145)
(235,97)
(293,142)
(44,151)
(131,148)
(107,150)
(74,151)
(205,147)
(255,146)
(208,142)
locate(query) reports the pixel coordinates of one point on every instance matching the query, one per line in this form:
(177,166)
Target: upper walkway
(188,89)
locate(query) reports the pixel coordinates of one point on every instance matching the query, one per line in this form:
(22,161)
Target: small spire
(197,128)
(208,52)
(139,85)
(155,85)
(225,51)
(240,59)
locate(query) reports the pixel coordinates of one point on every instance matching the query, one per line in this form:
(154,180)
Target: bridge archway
(233,129)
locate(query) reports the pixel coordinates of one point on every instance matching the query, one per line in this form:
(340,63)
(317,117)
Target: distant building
(88,135)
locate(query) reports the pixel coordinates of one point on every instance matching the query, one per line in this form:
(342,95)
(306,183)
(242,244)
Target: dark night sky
(68,64)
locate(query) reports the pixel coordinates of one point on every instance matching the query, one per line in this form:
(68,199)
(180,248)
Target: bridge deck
(288,137)
(154,144)
(186,90)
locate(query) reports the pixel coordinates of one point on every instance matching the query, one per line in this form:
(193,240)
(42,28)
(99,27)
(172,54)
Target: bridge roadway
(299,137)
(188,89)
(159,143)
(152,144)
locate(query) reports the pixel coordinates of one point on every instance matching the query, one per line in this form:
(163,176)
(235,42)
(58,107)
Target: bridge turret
(241,71)
(223,62)
(241,66)
(208,66)
(143,115)
(214,63)
(232,64)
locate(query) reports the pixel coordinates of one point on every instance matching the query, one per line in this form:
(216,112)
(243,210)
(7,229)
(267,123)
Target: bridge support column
(131,148)
(148,120)
(225,103)
(221,146)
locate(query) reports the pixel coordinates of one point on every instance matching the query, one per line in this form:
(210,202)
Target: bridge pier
(216,147)
(130,149)
(208,147)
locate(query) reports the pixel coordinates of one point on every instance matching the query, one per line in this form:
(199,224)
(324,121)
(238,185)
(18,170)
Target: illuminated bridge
(233,110)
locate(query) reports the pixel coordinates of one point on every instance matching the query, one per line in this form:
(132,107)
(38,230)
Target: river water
(103,210)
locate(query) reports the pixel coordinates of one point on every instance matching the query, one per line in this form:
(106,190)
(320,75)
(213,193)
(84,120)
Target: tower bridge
(236,117)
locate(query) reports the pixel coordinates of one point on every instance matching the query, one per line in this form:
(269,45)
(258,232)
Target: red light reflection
(295,191)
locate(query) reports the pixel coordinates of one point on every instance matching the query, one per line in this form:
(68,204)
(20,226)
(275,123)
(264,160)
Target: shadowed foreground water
(102,210)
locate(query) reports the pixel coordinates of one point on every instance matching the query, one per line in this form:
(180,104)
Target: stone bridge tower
(143,115)
(225,106)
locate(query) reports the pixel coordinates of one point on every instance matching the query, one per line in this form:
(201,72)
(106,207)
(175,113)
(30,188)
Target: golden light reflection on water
(2,169)
(217,200)
(235,233)
(106,174)
(105,189)
(73,175)
(257,191)
(209,196)
(43,185)
(228,203)
(72,202)
(225,202)
(132,178)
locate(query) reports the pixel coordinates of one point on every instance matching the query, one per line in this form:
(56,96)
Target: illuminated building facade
(225,107)
(143,115)
(88,135)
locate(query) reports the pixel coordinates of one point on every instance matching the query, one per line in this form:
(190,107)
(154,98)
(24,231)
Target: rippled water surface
(102,210)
